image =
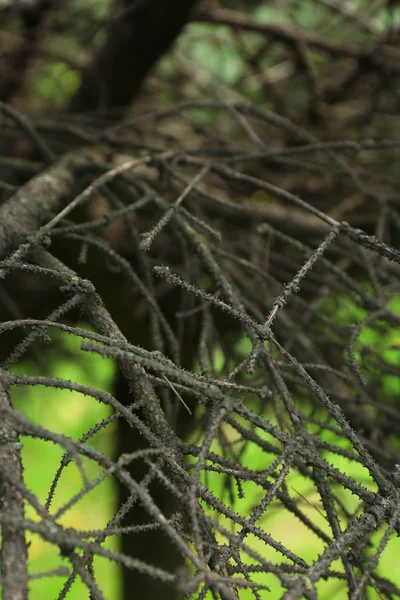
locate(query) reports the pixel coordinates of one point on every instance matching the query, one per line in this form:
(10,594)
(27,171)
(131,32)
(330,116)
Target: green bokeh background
(73,414)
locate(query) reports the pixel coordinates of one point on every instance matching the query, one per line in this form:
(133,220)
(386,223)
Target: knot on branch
(77,285)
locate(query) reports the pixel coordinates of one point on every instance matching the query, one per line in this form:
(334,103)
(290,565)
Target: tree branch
(291,35)
(13,555)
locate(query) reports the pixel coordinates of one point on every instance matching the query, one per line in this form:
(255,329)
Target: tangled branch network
(279,351)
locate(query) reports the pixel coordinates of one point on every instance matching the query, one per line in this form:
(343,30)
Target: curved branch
(292,35)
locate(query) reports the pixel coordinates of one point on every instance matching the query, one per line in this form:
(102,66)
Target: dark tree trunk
(134,44)
(15,63)
(152,547)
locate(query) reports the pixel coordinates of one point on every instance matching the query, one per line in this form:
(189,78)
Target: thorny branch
(285,289)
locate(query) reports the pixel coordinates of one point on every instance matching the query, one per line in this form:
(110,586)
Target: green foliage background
(72,414)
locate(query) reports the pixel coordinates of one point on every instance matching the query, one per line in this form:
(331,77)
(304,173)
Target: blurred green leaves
(72,414)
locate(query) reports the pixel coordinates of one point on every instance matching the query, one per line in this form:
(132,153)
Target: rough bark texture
(14,555)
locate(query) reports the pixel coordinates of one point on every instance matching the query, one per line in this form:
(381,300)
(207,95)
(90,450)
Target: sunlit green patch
(71,414)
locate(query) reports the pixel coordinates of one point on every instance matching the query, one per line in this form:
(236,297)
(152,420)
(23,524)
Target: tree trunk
(135,42)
